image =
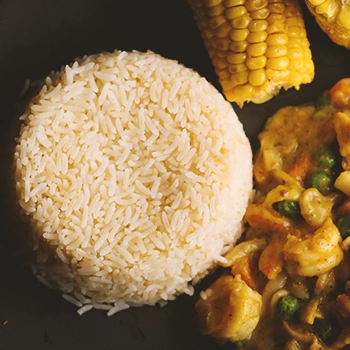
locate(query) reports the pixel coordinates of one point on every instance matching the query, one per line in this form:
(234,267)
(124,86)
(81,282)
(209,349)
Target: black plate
(37,36)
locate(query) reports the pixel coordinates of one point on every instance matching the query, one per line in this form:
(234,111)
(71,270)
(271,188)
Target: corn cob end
(257,47)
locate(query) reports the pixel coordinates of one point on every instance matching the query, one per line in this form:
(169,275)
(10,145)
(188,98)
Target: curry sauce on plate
(287,283)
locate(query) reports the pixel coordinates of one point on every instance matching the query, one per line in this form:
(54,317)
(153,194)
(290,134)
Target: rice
(134,174)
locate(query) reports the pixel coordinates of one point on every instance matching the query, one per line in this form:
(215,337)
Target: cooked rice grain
(135,174)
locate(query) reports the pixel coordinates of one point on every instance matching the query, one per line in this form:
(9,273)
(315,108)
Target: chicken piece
(229,310)
(271,259)
(266,219)
(247,268)
(316,254)
(242,250)
(315,207)
(300,168)
(242,259)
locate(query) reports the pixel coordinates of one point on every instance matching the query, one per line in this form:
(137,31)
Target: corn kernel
(277,39)
(207,34)
(294,22)
(276,51)
(234,12)
(277,27)
(221,63)
(276,18)
(278,76)
(223,74)
(215,61)
(257,77)
(238,46)
(257,25)
(295,78)
(222,43)
(199,18)
(254,63)
(329,7)
(240,93)
(239,34)
(253,5)
(342,19)
(227,84)
(221,53)
(240,78)
(316,2)
(236,68)
(260,14)
(299,65)
(216,10)
(212,42)
(295,32)
(223,30)
(279,63)
(292,11)
(256,37)
(216,22)
(241,22)
(276,8)
(236,58)
(211,52)
(307,54)
(294,42)
(233,3)
(258,49)
(211,3)
(295,54)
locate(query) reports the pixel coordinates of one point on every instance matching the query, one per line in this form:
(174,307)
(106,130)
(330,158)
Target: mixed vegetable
(287,283)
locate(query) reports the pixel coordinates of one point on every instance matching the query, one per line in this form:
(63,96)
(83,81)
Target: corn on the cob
(333,16)
(256,46)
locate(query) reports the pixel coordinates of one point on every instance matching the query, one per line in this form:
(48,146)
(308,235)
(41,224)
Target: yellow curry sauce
(287,283)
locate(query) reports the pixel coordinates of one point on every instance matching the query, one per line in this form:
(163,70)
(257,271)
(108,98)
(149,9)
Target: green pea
(320,180)
(343,225)
(323,100)
(323,328)
(287,307)
(325,158)
(288,208)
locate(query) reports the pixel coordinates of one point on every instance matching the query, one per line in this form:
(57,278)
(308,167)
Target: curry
(286,285)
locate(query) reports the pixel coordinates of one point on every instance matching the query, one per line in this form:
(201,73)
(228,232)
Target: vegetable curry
(287,283)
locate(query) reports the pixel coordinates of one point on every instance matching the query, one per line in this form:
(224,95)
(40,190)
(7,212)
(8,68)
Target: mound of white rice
(135,174)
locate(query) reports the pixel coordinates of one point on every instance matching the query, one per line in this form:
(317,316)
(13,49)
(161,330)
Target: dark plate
(37,36)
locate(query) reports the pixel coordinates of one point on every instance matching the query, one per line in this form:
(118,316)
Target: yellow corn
(257,47)
(333,16)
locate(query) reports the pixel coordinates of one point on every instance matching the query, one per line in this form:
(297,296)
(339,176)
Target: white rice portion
(134,173)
